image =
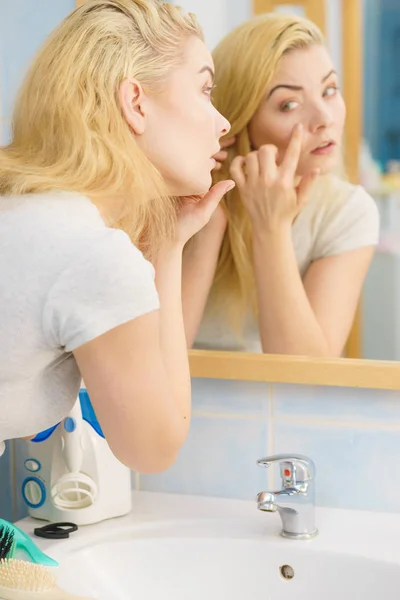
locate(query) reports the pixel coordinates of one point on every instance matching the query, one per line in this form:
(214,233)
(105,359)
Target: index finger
(293,151)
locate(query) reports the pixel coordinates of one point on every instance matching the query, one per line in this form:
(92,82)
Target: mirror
(363,37)
(370,79)
(371,86)
(380,172)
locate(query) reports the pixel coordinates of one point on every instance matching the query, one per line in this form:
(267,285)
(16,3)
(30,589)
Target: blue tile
(25,26)
(336,404)
(218,459)
(6,487)
(356,468)
(230,397)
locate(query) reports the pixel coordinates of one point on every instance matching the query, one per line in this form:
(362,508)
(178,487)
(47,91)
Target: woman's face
(180,128)
(304,90)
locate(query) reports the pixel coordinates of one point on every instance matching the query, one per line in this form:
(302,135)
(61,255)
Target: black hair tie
(56,531)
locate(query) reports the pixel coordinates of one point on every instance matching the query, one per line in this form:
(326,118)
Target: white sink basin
(186,548)
(209,569)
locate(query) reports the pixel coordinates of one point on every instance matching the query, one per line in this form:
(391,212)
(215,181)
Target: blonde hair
(69,132)
(245,62)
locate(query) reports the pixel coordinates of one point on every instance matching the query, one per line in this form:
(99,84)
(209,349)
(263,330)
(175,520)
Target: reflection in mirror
(380,174)
(291,9)
(281,266)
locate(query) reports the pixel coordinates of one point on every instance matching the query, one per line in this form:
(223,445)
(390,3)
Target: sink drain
(287,572)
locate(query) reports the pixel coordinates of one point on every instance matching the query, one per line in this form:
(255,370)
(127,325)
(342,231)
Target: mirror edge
(338,372)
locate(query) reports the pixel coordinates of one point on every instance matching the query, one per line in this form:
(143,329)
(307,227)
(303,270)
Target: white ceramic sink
(186,548)
(203,569)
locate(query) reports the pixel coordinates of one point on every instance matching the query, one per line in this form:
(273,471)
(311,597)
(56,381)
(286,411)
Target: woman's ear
(131,97)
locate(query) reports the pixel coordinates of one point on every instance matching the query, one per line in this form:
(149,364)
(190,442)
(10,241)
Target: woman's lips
(321,150)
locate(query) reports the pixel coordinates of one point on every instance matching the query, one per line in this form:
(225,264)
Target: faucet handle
(295,468)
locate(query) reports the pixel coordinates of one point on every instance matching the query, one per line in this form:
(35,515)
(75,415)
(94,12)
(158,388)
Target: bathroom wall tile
(230,397)
(25,25)
(218,459)
(6,486)
(2,53)
(336,404)
(5,132)
(356,468)
(381,328)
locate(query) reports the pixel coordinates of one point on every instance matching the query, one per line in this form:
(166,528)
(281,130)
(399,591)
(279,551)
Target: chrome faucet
(295,502)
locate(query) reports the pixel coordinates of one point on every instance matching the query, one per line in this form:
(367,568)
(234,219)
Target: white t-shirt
(66,278)
(338,217)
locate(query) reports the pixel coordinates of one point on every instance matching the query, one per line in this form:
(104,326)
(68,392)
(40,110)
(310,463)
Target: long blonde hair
(245,62)
(68,129)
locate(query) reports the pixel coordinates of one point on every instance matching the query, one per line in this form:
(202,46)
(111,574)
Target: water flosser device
(71,473)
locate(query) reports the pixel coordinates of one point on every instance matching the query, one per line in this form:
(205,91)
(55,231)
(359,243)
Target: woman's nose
(322,118)
(225,125)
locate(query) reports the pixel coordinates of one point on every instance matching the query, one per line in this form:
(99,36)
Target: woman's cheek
(340,112)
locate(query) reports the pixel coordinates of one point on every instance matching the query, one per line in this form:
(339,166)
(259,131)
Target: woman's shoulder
(334,195)
(57,211)
(336,200)
(344,216)
(63,227)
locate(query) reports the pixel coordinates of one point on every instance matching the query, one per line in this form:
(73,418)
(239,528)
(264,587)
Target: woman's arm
(200,259)
(313,317)
(137,374)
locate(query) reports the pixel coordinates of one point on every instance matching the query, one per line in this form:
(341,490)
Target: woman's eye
(288,106)
(208,90)
(331,90)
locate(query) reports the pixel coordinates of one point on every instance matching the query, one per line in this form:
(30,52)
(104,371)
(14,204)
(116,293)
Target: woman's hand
(222,155)
(206,212)
(270,193)
(198,211)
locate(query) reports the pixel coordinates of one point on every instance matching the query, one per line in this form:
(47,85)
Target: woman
(281,267)
(97,172)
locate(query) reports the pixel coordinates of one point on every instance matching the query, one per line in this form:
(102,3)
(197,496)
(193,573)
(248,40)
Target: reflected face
(183,127)
(304,90)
